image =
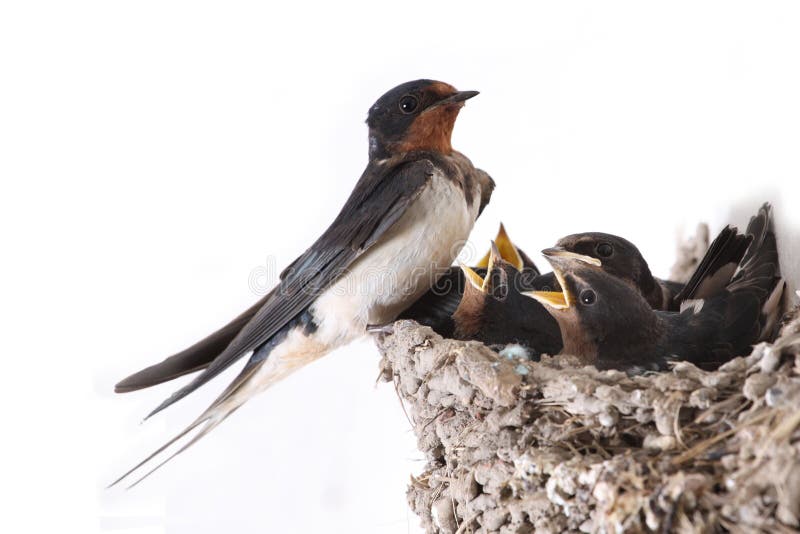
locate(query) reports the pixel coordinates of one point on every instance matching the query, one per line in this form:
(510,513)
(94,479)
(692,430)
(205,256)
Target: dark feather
(541,282)
(499,314)
(617,329)
(379,199)
(717,266)
(745,312)
(195,358)
(527,264)
(436,307)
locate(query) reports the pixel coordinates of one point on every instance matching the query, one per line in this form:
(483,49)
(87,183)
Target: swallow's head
(598,314)
(619,257)
(417,115)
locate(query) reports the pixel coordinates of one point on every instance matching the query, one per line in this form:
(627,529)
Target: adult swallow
(436,307)
(410,212)
(494,310)
(608,323)
(621,258)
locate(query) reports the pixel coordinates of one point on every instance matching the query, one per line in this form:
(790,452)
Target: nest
(520,446)
(516,446)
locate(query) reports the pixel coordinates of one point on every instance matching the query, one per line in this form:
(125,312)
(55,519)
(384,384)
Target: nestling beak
(559,253)
(560,259)
(476,280)
(508,251)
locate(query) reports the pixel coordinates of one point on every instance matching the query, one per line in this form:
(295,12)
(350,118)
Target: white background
(153,154)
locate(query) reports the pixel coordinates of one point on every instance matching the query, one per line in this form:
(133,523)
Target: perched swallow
(607,323)
(411,210)
(494,310)
(622,259)
(436,307)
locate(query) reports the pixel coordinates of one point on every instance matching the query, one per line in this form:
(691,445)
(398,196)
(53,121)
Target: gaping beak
(507,251)
(557,300)
(559,258)
(473,278)
(477,281)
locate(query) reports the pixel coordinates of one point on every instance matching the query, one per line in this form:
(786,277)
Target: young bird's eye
(604,250)
(587,297)
(408,104)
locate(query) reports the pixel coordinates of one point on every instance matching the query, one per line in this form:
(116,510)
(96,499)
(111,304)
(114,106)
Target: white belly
(390,276)
(400,268)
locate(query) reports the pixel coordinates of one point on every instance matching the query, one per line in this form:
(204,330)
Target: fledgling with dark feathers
(436,307)
(414,205)
(607,323)
(493,310)
(622,259)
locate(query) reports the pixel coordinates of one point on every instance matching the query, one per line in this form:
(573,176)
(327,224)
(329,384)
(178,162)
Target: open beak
(473,278)
(557,300)
(559,258)
(507,251)
(477,281)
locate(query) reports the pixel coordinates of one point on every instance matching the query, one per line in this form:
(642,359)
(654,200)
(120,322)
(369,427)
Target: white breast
(383,282)
(400,267)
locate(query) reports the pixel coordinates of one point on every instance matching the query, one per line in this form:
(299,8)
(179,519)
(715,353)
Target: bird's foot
(387,328)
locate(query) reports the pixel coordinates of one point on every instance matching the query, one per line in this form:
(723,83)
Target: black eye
(408,104)
(588,297)
(604,250)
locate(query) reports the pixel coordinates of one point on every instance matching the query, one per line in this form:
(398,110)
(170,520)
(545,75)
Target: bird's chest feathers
(404,264)
(576,340)
(428,237)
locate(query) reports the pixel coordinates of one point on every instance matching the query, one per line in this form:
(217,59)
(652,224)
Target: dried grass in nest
(514,446)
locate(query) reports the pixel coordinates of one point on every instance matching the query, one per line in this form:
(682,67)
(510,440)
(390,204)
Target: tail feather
(758,275)
(763,245)
(717,267)
(224,405)
(269,365)
(161,449)
(195,358)
(210,424)
(219,410)
(305,321)
(759,227)
(771,311)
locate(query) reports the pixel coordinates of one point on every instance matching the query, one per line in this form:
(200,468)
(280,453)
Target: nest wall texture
(516,446)
(519,446)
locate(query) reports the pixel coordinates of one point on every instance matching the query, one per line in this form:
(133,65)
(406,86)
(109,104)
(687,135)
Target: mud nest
(517,446)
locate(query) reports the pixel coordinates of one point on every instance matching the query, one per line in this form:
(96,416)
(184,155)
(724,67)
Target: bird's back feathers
(380,198)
